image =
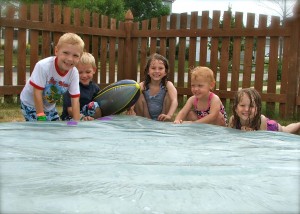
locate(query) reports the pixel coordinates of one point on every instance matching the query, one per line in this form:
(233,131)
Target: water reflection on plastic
(127,164)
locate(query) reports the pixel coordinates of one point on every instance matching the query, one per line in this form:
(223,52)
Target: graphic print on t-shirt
(54,90)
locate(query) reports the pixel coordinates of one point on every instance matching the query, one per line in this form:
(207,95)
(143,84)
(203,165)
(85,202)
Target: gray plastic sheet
(128,164)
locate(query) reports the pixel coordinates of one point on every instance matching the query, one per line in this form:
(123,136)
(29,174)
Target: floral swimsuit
(201,114)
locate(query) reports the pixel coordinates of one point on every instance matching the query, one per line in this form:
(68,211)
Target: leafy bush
(279,70)
(27,48)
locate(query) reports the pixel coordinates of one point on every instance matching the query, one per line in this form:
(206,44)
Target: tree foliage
(141,9)
(112,8)
(146,9)
(283,8)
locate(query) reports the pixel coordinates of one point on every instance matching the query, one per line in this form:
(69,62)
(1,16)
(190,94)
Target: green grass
(11,112)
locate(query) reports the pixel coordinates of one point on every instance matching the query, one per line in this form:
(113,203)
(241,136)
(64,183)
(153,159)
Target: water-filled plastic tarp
(128,164)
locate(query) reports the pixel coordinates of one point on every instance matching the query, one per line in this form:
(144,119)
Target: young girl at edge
(158,100)
(247,115)
(204,106)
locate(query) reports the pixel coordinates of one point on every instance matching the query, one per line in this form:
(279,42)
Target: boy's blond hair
(203,72)
(70,38)
(88,59)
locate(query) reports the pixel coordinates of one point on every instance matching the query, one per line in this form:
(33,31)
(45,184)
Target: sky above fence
(245,6)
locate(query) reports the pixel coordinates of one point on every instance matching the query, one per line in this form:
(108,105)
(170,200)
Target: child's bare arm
(75,108)
(230,123)
(172,93)
(184,111)
(38,100)
(173,96)
(263,125)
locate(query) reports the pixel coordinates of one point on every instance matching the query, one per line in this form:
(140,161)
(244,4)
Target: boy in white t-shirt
(51,78)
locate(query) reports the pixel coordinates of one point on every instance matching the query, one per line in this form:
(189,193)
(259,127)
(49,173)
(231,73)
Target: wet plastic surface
(127,164)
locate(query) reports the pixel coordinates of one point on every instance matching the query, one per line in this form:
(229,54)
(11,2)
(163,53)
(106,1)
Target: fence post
(128,71)
(8,54)
(294,65)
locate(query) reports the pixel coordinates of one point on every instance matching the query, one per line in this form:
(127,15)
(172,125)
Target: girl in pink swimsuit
(202,113)
(247,114)
(204,106)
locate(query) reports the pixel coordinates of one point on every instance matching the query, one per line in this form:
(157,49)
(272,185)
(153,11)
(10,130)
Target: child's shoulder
(213,94)
(263,117)
(191,99)
(214,97)
(96,86)
(47,59)
(169,84)
(263,124)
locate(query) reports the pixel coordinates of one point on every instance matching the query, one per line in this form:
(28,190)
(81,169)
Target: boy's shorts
(87,110)
(29,113)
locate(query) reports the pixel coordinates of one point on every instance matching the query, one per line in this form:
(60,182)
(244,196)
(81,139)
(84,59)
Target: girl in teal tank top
(158,100)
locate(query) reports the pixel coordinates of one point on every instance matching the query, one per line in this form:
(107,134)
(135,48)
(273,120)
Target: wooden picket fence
(121,49)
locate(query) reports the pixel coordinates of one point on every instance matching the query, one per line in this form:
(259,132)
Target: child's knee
(191,116)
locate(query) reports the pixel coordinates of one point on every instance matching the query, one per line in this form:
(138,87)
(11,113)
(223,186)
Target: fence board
(135,54)
(46,35)
(192,45)
(260,55)
(112,53)
(203,39)
(236,53)
(103,51)
(163,41)
(172,49)
(294,65)
(273,66)
(181,52)
(153,27)
(214,43)
(86,23)
(58,20)
(248,53)
(95,45)
(224,59)
(284,73)
(121,55)
(21,54)
(143,58)
(8,48)
(34,37)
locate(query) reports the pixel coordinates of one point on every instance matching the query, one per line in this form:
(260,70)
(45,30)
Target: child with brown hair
(204,106)
(158,100)
(247,115)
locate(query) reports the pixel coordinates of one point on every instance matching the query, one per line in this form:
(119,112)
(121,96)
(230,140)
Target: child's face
(244,109)
(200,87)
(157,70)
(86,73)
(67,56)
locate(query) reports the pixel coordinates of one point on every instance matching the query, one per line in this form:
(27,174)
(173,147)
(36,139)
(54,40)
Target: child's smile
(244,109)
(157,70)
